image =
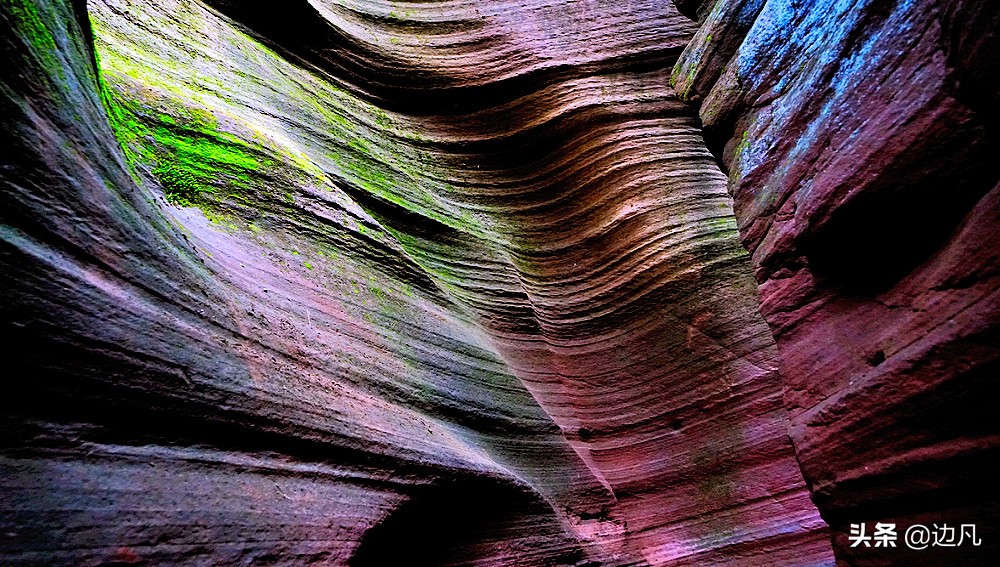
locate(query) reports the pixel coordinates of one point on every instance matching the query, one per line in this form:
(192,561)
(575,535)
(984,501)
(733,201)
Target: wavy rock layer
(865,192)
(459,282)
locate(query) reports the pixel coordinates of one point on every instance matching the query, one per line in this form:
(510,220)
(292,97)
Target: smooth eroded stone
(386,283)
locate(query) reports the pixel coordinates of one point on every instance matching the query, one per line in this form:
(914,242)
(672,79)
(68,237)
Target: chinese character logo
(917,536)
(858,536)
(885,535)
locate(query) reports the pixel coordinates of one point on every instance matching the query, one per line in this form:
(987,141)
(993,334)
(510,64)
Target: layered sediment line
(373,283)
(864,192)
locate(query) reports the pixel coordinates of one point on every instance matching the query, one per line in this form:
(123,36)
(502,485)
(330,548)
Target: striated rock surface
(374,284)
(358,282)
(865,193)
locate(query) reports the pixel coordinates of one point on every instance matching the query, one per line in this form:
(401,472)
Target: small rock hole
(878,357)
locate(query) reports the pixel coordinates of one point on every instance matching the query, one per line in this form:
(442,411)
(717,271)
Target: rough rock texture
(358,283)
(423,283)
(859,139)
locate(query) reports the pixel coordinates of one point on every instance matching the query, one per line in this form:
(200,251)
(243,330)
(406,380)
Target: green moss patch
(32,26)
(189,156)
(192,163)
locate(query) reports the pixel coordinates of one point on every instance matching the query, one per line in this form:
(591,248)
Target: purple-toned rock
(858,137)
(368,283)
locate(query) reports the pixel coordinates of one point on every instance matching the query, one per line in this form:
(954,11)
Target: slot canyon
(499,282)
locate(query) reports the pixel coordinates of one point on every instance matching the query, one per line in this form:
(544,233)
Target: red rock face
(865,194)
(441,283)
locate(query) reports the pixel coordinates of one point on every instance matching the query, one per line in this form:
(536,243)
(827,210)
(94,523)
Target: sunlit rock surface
(426,283)
(860,140)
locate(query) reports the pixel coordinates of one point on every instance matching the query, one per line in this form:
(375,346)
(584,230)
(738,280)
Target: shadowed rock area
(364,282)
(865,192)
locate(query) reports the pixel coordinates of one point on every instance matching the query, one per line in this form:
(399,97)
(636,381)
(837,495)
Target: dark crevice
(873,241)
(695,10)
(302,35)
(468,522)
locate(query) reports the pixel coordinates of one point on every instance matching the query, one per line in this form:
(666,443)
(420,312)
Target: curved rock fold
(358,282)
